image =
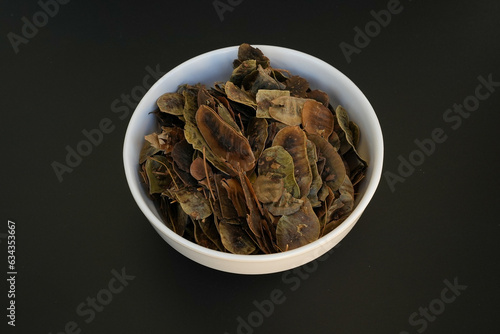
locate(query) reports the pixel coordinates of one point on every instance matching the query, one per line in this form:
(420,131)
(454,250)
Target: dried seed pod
(268,188)
(294,141)
(264,81)
(171,103)
(287,110)
(257,135)
(245,68)
(319,96)
(264,98)
(317,119)
(276,160)
(223,140)
(237,95)
(297,86)
(157,172)
(297,229)
(235,239)
(193,203)
(334,171)
(316,183)
(201,169)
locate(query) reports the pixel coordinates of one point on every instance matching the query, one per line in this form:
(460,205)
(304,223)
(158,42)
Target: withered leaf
(223,140)
(201,238)
(205,98)
(236,195)
(210,230)
(227,207)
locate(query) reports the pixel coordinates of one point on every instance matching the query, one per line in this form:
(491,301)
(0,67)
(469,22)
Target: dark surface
(440,224)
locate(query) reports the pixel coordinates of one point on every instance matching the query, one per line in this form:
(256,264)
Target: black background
(440,224)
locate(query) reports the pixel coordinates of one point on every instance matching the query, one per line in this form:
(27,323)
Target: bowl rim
(376,163)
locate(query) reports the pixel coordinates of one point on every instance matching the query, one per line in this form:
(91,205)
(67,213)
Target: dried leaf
(182,154)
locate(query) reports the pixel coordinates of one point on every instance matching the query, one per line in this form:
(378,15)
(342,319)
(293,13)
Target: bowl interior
(217,66)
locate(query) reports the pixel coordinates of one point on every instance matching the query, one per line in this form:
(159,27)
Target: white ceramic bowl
(217,66)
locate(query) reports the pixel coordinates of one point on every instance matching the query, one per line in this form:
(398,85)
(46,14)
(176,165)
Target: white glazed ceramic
(217,66)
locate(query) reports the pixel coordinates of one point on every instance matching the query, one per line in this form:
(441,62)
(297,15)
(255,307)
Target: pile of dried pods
(258,164)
